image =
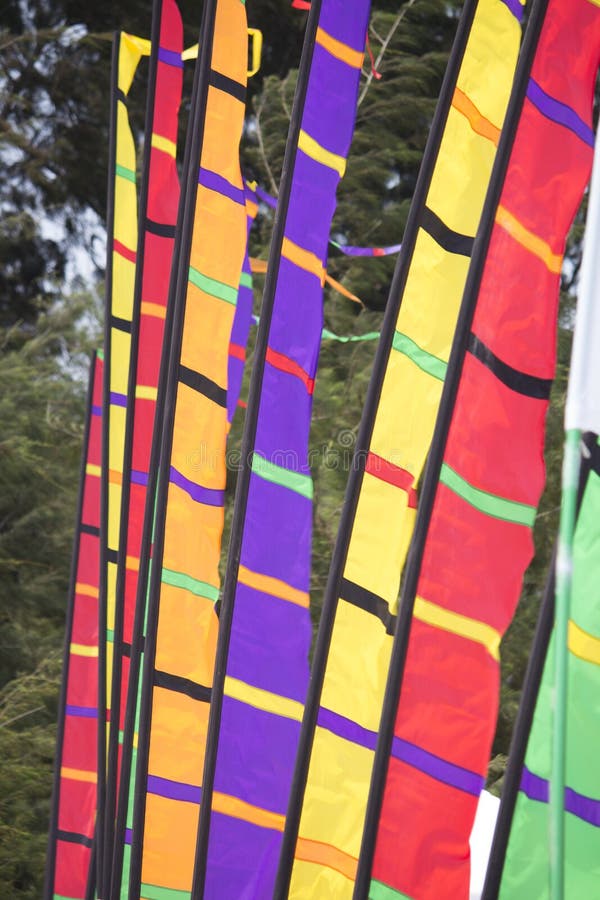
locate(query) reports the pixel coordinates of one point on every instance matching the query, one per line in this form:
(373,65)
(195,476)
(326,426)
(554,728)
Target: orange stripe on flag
(327,855)
(478,123)
(239,809)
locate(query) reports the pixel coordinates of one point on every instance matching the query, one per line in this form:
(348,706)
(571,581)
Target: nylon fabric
(187,622)
(335,802)
(78,760)
(474,559)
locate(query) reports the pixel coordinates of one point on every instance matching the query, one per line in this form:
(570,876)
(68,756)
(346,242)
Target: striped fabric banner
(479,538)
(74,799)
(152,288)
(122,226)
(267,667)
(242,319)
(527,863)
(186,557)
(348,719)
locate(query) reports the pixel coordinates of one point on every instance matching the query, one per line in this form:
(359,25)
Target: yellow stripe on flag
(145,392)
(583,644)
(162,143)
(456,623)
(313,149)
(529,240)
(83,650)
(265,700)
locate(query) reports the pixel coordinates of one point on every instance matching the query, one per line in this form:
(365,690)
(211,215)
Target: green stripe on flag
(380,891)
(295,481)
(246,280)
(110,635)
(421,358)
(187,583)
(490,504)
(153,892)
(125,173)
(213,287)
(327,335)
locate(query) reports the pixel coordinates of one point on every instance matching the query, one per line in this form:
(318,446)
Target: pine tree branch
(261,147)
(384,47)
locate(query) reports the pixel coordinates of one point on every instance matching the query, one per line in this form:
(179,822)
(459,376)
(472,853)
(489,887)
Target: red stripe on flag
(285,364)
(237,351)
(124,251)
(396,475)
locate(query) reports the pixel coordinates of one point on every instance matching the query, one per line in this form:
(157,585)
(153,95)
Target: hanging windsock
(354,640)
(263,663)
(159,200)
(546,858)
(69,871)
(184,581)
(485,474)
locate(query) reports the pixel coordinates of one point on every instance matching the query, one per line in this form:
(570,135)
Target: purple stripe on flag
(349,250)
(266,198)
(585,808)
(170,57)
(174,790)
(128,833)
(85,712)
(438,768)
(515,8)
(559,112)
(534,787)
(208,496)
(138,477)
(220,185)
(347,729)
(96,410)
(118,399)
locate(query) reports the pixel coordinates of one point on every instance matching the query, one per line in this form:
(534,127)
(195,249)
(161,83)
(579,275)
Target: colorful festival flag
(159,202)
(354,639)
(184,581)
(69,872)
(266,669)
(473,537)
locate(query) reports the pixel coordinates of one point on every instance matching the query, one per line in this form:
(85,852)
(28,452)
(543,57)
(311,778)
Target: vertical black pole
(117,670)
(338,561)
(436,453)
(163,431)
(102,582)
(62,699)
(247,450)
(520,738)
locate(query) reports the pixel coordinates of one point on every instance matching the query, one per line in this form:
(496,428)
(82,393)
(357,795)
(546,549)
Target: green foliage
(41,411)
(27,733)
